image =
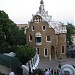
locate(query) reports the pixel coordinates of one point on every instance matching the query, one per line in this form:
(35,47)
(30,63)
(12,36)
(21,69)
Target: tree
(12,39)
(21,37)
(70,31)
(9,32)
(25,53)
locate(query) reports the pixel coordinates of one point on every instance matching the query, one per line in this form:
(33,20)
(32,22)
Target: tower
(41,8)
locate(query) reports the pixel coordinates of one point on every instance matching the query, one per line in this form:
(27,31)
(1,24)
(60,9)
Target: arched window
(38,38)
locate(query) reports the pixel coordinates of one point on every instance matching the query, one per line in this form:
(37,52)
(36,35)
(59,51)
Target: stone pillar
(49,57)
(55,54)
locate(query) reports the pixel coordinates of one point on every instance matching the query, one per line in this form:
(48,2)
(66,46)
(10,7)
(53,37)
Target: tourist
(59,66)
(57,72)
(29,70)
(47,72)
(51,71)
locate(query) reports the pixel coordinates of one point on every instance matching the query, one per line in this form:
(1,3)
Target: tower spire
(41,2)
(41,8)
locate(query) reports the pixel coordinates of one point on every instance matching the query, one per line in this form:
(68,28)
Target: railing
(33,64)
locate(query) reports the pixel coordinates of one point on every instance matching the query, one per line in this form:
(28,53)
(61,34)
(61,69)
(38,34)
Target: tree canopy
(70,31)
(25,53)
(13,39)
(9,32)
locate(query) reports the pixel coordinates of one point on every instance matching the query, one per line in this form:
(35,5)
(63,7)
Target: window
(32,28)
(38,39)
(63,50)
(45,52)
(37,19)
(48,38)
(43,28)
(37,51)
(30,38)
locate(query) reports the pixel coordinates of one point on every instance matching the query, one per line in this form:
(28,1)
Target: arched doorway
(52,52)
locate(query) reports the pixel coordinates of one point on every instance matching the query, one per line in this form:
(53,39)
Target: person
(60,61)
(59,66)
(57,72)
(50,71)
(54,71)
(29,70)
(47,72)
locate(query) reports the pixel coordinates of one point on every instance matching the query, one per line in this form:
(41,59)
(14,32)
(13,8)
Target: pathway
(4,69)
(53,64)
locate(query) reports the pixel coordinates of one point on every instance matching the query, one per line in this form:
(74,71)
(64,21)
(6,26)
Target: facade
(23,25)
(48,37)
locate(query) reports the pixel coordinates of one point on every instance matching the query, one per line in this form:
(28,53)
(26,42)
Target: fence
(33,64)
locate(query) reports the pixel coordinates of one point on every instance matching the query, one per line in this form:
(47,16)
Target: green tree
(70,31)
(21,37)
(10,33)
(25,53)
(11,37)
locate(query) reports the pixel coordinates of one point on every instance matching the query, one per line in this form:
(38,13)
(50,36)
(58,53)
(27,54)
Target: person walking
(47,72)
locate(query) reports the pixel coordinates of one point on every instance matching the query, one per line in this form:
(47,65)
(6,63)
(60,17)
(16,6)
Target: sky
(20,11)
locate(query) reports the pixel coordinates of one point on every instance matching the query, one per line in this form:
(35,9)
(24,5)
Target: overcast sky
(20,11)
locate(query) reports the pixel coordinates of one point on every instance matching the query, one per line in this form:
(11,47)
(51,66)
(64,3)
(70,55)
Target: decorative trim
(44,29)
(29,39)
(32,28)
(46,39)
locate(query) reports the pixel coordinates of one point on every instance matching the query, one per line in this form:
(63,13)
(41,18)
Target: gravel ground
(4,69)
(53,64)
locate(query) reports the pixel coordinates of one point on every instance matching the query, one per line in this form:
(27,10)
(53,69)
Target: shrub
(25,53)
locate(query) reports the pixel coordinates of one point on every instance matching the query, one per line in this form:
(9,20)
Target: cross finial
(41,2)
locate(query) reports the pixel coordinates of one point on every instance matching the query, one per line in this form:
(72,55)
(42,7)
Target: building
(48,37)
(23,26)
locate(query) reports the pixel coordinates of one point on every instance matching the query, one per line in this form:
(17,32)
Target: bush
(4,47)
(25,53)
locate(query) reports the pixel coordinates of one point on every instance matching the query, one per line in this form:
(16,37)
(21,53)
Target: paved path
(46,63)
(4,69)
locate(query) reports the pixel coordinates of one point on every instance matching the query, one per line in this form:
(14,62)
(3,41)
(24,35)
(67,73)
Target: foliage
(25,53)
(4,47)
(21,37)
(70,31)
(10,35)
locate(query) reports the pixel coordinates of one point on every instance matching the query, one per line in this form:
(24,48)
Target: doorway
(52,52)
